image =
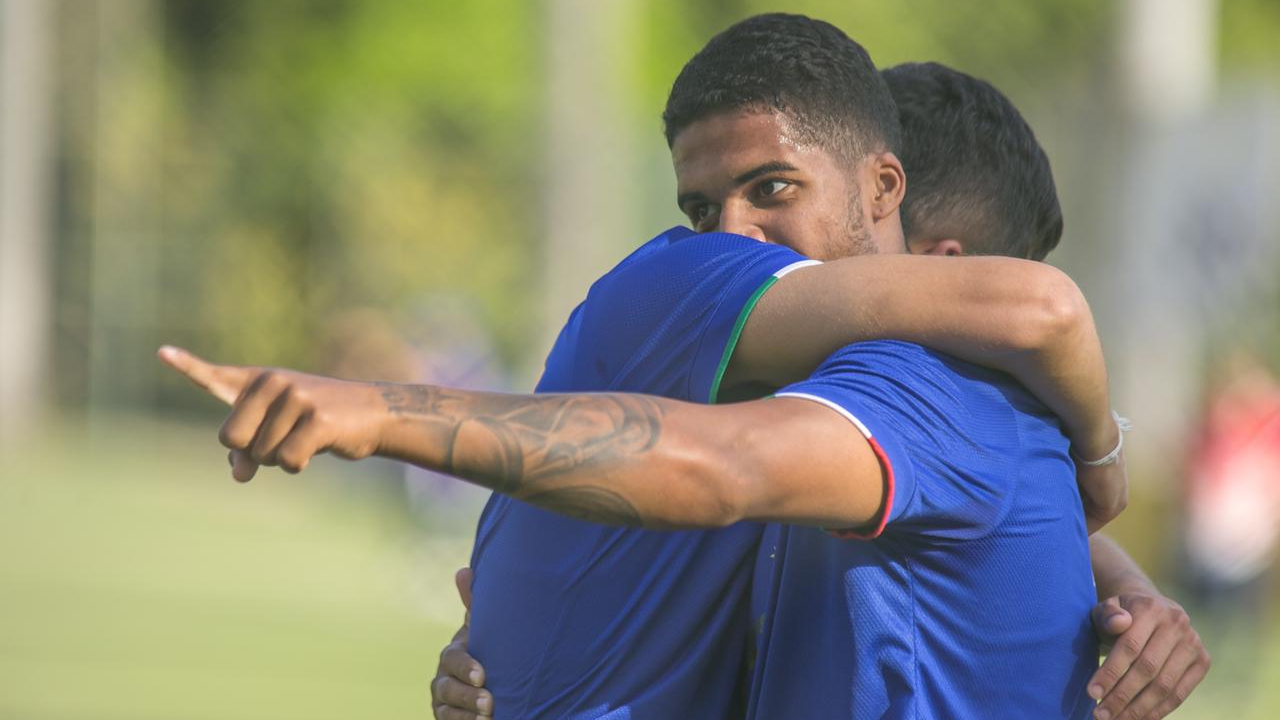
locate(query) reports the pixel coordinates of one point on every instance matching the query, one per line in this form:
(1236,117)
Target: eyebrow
(765,169)
(740,180)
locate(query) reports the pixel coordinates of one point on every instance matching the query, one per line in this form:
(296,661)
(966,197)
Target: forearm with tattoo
(548,450)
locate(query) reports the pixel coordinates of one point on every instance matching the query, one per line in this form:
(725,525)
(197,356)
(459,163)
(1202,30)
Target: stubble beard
(854,238)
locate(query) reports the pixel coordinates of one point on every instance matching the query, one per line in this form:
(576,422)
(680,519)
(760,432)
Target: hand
(281,417)
(1156,661)
(1104,491)
(458,693)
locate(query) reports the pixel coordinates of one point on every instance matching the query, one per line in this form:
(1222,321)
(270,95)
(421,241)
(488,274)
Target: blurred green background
(421,190)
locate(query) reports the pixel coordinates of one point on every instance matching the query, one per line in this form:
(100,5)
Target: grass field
(137,582)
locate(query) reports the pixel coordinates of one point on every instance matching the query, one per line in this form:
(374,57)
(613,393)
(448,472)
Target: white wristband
(1111,458)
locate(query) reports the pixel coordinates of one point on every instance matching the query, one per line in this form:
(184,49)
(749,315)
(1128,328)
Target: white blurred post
(590,164)
(1168,52)
(1167,77)
(25,83)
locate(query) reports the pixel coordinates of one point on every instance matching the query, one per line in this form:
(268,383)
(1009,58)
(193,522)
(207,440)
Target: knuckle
(289,460)
(458,696)
(266,380)
(1147,666)
(261,453)
(1109,675)
(233,438)
(1129,645)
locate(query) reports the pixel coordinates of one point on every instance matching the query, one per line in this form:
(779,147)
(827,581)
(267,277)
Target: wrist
(382,419)
(1128,583)
(1104,447)
(1099,439)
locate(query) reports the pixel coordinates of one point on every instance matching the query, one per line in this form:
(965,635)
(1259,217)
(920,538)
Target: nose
(739,221)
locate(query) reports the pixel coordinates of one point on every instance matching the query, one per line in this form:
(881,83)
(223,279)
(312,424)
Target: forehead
(722,146)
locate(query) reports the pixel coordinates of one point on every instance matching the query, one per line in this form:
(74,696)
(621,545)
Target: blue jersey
(970,597)
(576,620)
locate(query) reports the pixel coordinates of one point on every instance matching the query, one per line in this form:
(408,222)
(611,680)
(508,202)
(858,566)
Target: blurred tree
(1248,32)
(239,172)
(265,166)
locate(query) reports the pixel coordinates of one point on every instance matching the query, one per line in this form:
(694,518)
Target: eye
(700,212)
(772,187)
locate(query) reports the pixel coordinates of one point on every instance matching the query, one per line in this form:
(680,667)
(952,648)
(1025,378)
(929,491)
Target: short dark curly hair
(822,81)
(974,168)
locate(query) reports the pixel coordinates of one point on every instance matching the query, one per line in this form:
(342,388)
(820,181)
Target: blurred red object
(1233,480)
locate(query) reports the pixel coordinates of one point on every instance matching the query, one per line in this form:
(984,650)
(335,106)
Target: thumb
(224,382)
(243,467)
(462,579)
(1110,618)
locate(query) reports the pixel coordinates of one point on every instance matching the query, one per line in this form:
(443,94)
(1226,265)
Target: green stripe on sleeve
(733,336)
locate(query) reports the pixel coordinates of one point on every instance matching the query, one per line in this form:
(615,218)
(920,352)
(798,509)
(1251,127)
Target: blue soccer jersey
(577,620)
(970,596)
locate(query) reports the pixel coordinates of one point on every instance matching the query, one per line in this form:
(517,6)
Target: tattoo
(530,446)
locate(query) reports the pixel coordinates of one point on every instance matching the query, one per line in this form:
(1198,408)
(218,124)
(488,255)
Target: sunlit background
(421,190)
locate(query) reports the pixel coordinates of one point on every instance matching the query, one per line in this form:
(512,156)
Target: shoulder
(931,402)
(680,253)
(932,376)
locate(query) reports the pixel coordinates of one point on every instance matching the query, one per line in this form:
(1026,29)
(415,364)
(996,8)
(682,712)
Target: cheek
(807,234)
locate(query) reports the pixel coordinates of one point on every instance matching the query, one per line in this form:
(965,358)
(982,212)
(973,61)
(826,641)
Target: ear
(888,184)
(944,246)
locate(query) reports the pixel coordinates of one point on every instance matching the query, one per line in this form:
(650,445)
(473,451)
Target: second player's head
(979,181)
(782,129)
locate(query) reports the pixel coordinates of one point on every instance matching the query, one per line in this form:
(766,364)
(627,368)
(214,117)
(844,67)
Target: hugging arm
(1022,317)
(1157,658)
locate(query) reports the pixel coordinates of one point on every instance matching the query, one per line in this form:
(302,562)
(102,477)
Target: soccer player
(914,639)
(978,173)
(352,439)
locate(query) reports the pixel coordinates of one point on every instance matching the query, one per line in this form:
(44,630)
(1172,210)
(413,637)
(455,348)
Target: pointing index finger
(224,382)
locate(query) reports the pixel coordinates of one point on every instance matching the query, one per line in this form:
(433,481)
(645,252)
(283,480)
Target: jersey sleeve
(947,439)
(667,322)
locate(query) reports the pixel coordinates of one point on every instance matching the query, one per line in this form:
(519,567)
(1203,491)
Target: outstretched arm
(1022,317)
(610,458)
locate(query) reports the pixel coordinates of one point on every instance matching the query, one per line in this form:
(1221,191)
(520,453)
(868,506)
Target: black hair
(974,168)
(823,82)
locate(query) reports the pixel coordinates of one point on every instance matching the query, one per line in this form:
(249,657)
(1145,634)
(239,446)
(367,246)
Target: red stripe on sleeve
(885,509)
